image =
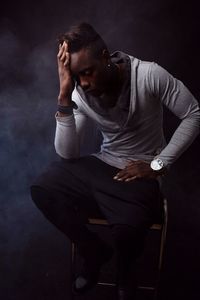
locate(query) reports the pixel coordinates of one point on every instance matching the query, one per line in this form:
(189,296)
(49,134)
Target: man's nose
(84,83)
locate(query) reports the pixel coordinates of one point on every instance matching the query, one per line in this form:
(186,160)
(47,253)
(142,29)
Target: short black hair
(82,36)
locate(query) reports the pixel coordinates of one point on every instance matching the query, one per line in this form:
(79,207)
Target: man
(121,97)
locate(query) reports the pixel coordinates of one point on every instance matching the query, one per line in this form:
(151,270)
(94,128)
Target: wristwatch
(157,164)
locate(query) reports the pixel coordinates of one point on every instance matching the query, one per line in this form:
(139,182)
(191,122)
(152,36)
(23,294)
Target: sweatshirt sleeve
(178,99)
(76,134)
(68,135)
(70,131)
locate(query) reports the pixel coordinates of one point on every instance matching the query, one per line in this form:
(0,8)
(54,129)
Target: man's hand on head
(136,170)
(65,77)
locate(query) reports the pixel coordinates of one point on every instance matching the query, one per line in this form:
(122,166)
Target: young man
(121,97)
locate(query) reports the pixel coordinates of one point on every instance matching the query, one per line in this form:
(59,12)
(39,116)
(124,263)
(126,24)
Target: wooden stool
(162,227)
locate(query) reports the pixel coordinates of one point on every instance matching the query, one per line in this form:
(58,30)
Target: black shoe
(95,254)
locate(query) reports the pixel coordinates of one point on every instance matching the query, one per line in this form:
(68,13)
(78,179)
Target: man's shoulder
(142,69)
(142,64)
(138,64)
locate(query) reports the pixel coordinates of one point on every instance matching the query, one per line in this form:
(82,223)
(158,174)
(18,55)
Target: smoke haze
(34,261)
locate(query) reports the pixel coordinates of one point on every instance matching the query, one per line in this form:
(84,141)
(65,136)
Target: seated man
(121,97)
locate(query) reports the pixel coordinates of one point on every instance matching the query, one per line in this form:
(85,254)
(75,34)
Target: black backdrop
(33,254)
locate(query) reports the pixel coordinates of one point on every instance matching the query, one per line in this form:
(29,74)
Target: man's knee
(43,186)
(39,196)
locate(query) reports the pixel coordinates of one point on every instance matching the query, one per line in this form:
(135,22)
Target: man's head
(90,59)
(83,36)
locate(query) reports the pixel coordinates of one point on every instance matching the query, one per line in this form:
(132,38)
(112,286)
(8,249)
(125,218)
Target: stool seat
(99,221)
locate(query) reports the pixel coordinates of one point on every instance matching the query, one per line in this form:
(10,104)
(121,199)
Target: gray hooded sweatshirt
(133,130)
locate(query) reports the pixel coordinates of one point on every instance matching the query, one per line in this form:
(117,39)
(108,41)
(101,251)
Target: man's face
(91,73)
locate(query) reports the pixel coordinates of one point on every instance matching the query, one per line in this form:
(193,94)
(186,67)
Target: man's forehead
(81,60)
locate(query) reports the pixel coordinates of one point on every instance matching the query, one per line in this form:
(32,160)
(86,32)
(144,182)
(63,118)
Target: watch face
(157,164)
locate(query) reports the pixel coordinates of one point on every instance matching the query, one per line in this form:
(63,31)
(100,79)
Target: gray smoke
(33,253)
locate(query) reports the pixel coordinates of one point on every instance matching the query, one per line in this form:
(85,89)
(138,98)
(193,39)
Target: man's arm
(76,134)
(181,102)
(178,99)
(68,130)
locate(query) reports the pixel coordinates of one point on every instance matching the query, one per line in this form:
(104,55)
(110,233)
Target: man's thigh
(69,180)
(135,203)
(89,182)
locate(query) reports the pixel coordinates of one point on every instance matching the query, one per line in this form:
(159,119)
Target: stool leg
(72,268)
(162,245)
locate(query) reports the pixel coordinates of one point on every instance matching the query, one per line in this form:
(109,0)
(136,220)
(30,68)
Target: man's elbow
(66,154)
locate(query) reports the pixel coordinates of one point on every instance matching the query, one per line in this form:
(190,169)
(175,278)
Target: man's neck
(115,86)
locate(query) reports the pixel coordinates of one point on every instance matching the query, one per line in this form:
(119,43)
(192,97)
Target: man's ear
(106,55)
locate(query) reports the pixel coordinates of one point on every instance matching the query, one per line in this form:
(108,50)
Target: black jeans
(72,190)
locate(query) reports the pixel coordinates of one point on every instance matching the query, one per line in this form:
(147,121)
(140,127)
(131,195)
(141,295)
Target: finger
(62,48)
(63,56)
(124,172)
(129,169)
(131,178)
(67,59)
(66,46)
(60,52)
(119,174)
(122,177)
(66,63)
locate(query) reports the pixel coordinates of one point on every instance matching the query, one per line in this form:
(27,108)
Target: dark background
(34,258)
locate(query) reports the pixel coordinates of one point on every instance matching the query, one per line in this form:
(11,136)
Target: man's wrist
(64,100)
(67,109)
(158,167)
(157,164)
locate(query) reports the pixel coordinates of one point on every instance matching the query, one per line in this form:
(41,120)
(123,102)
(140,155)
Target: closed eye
(86,72)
